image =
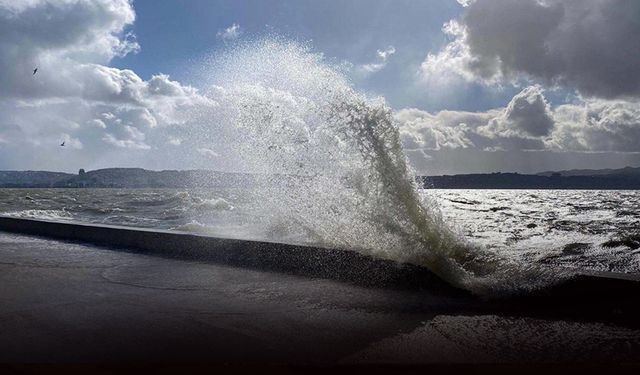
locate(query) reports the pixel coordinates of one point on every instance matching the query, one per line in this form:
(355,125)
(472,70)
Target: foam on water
(212,204)
(331,164)
(41,214)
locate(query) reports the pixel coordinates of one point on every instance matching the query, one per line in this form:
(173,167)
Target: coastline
(605,295)
(73,302)
(627,178)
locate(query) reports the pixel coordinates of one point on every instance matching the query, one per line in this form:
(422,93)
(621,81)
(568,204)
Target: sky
(475,85)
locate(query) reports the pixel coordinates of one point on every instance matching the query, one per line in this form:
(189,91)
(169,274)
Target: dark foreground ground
(67,303)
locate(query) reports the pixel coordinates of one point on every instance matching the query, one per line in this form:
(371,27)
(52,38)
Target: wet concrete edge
(607,296)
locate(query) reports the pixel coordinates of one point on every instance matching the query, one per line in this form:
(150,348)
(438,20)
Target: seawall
(308,261)
(608,296)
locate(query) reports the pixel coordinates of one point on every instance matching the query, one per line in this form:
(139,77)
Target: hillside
(123,178)
(32,178)
(626,171)
(554,180)
(625,178)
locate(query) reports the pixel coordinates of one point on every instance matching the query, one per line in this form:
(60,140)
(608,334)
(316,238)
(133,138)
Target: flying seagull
(35,71)
(62,144)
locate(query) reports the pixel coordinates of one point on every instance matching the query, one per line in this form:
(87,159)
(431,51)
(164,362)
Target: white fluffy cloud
(597,125)
(380,63)
(75,96)
(589,45)
(207,152)
(229,34)
(51,35)
(528,122)
(524,124)
(455,61)
(464,3)
(527,115)
(132,138)
(421,130)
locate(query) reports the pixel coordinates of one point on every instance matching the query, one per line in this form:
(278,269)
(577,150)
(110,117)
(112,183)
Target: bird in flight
(35,71)
(62,144)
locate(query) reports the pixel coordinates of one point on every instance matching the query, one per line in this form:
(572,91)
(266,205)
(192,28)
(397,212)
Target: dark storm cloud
(586,47)
(590,45)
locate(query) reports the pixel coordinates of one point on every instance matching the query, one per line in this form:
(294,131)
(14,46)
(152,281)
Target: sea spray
(329,163)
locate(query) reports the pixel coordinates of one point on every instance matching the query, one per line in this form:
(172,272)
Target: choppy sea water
(584,229)
(589,230)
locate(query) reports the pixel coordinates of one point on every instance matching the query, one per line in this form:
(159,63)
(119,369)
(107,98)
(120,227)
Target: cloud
(581,45)
(130,138)
(421,130)
(207,152)
(75,95)
(382,58)
(465,3)
(174,141)
(455,62)
(229,34)
(526,123)
(588,45)
(527,115)
(597,126)
(385,54)
(47,35)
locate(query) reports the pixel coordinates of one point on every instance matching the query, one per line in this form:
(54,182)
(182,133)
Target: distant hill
(624,178)
(616,179)
(123,178)
(626,171)
(31,178)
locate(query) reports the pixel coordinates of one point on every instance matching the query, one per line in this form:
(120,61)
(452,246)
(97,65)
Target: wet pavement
(64,302)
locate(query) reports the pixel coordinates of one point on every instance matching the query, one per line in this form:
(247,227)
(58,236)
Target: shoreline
(304,260)
(181,297)
(590,294)
(72,302)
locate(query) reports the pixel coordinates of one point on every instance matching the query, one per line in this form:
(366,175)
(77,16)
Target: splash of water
(330,163)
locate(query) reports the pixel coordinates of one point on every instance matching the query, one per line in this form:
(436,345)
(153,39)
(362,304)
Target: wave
(330,162)
(41,214)
(194,227)
(213,204)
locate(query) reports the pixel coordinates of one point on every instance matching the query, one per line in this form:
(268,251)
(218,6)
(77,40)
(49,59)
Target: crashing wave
(329,161)
(41,214)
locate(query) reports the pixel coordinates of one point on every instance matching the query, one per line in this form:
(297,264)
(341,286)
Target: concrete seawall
(613,291)
(293,259)
(76,303)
